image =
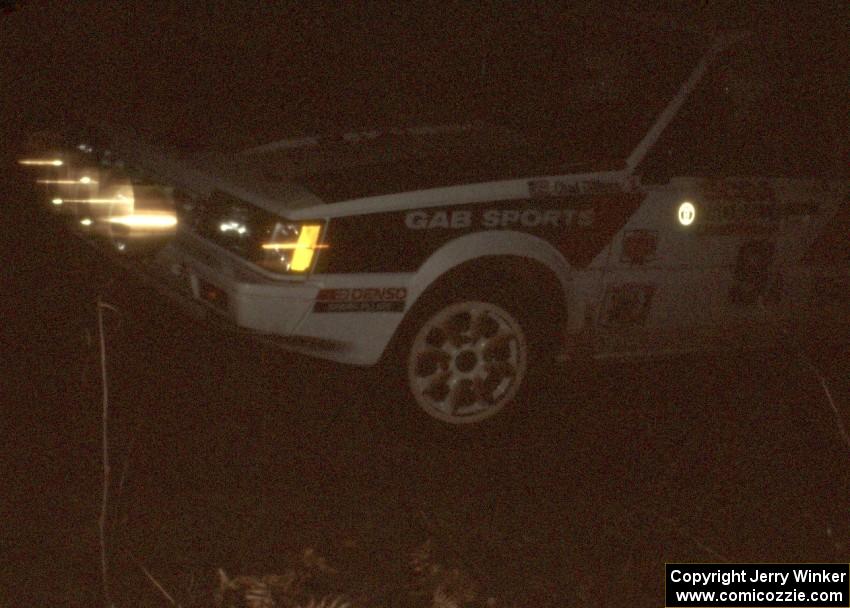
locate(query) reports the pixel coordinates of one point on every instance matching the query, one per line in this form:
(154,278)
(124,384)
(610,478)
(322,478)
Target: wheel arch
(502,247)
(519,272)
(522,259)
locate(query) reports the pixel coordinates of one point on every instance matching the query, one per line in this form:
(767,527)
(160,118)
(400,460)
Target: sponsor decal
(424,220)
(361,299)
(749,218)
(739,189)
(533,218)
(530,217)
(321,307)
(627,304)
(754,277)
(746,207)
(544,188)
(579,227)
(639,246)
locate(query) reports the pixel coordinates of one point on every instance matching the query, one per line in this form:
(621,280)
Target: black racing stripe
(401,241)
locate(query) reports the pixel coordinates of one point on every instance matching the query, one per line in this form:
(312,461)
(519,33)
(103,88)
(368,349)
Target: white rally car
(465,255)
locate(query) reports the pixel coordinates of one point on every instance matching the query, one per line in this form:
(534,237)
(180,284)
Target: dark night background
(242,456)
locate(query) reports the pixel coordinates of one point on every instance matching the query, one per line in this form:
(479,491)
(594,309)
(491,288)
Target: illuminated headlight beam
(51,162)
(98,201)
(83,180)
(276,246)
(145,220)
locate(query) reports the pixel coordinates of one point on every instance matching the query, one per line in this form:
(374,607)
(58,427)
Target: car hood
(302,172)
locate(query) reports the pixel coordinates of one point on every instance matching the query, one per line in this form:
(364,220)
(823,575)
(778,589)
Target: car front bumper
(211,288)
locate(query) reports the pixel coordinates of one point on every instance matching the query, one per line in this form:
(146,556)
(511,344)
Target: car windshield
(590,92)
(586,86)
(584,89)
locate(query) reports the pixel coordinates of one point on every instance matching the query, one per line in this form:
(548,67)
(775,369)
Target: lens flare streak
(86,181)
(51,162)
(276,246)
(99,201)
(145,220)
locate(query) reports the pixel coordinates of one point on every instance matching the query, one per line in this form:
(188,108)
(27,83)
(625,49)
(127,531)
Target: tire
(465,359)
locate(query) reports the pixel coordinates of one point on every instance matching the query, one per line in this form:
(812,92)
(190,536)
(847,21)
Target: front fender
(491,243)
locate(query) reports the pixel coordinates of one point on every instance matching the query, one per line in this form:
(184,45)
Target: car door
(743,191)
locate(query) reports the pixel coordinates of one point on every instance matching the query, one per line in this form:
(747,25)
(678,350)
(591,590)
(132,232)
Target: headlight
(144,222)
(252,233)
(291,247)
(41,162)
(100,198)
